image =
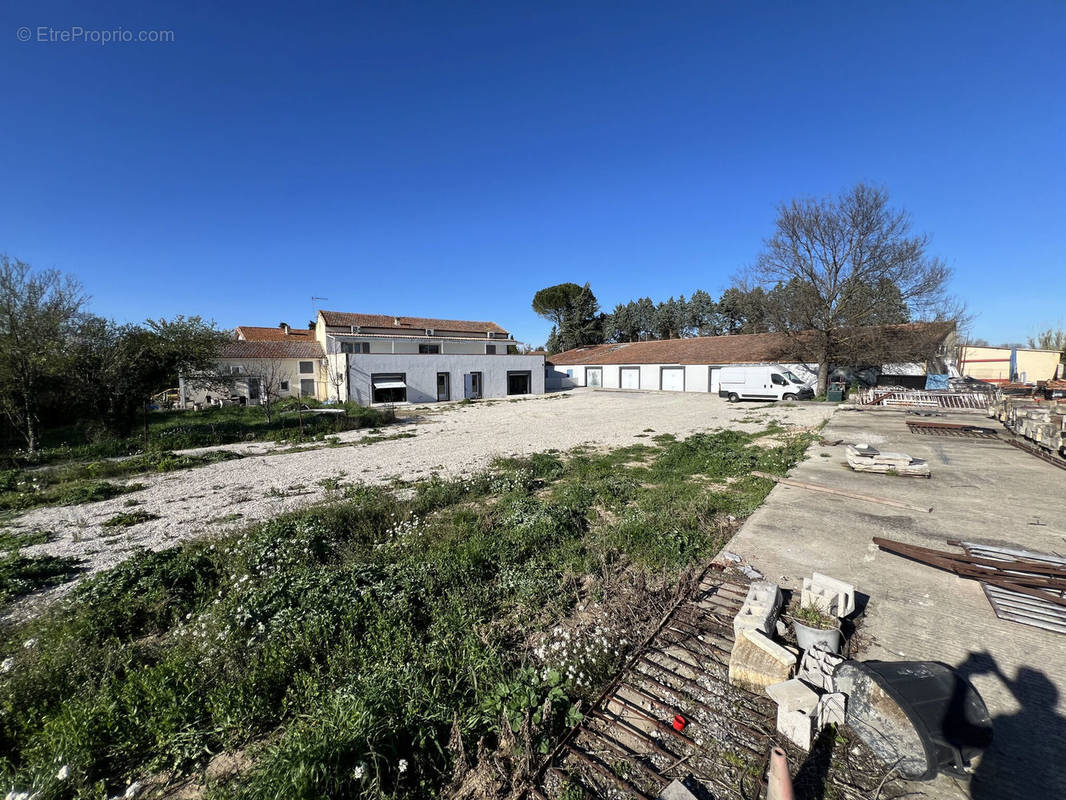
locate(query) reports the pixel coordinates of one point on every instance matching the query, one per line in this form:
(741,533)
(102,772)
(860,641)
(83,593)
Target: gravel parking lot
(447,440)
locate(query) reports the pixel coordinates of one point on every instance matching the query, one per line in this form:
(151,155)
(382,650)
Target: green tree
(842,261)
(743,311)
(38,314)
(702,314)
(553,302)
(583,322)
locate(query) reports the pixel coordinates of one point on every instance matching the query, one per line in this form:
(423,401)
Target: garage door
(673,379)
(630,377)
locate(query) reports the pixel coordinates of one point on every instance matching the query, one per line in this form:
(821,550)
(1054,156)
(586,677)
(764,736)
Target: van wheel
(733,397)
(789,396)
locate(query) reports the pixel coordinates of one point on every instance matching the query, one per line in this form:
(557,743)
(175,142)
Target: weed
(128,519)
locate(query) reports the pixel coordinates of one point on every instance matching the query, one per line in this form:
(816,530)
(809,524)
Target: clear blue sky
(451,158)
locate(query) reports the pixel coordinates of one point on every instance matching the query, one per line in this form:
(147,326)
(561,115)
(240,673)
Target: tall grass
(341,647)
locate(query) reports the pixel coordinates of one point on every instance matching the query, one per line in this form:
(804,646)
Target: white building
(373,359)
(694,364)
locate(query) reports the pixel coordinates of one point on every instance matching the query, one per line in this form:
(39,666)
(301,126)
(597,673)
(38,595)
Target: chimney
(285,327)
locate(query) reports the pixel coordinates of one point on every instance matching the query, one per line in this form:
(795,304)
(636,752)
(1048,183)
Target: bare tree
(39,312)
(335,375)
(271,373)
(837,265)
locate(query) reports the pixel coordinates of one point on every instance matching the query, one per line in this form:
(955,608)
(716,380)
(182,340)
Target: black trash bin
(921,716)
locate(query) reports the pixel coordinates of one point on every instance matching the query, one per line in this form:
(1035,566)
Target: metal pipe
(780,782)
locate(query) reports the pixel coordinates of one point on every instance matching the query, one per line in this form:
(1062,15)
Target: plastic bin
(921,716)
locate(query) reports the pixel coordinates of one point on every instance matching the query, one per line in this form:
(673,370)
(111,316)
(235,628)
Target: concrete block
(757,662)
(796,726)
(677,791)
(759,610)
(793,695)
(830,709)
(817,667)
(830,595)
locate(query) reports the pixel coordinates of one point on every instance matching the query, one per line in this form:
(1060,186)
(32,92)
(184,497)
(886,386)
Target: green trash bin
(838,392)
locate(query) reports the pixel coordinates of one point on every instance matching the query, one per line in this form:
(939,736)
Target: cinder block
(757,662)
(793,695)
(796,726)
(830,595)
(817,667)
(830,709)
(759,610)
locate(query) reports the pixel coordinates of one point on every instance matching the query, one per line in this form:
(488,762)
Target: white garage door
(630,377)
(673,379)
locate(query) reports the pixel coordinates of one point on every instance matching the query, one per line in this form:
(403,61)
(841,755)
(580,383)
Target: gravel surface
(449,440)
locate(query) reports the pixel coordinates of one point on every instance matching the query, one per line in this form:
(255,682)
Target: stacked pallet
(1042,422)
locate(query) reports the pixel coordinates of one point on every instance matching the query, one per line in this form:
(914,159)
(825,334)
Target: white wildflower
(402,766)
(29,643)
(359,772)
(133,789)
(63,774)
(7,665)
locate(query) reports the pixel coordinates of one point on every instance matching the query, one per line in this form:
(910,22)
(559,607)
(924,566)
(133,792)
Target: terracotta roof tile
(751,348)
(253,333)
(345,319)
(272,349)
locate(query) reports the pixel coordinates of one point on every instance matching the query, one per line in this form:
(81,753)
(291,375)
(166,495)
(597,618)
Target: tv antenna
(314,305)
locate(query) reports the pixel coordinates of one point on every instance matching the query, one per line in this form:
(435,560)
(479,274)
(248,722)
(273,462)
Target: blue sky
(449,159)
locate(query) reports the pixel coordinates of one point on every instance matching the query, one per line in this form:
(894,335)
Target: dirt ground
(449,440)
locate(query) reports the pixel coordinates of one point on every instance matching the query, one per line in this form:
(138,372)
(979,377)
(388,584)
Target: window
(234,370)
(355,347)
(569,373)
(388,387)
(490,349)
(307,368)
(284,386)
(428,348)
(307,387)
(778,380)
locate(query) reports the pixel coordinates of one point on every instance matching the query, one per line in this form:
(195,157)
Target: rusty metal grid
(627,745)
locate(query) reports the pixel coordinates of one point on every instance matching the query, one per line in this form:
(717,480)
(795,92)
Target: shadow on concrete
(809,782)
(1025,757)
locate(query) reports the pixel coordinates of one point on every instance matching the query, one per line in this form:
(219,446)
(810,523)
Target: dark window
(284,386)
(778,379)
(307,387)
(428,348)
(388,387)
(355,347)
(307,367)
(519,383)
(490,349)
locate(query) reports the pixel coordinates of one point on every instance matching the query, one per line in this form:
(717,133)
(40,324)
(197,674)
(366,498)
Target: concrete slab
(981,490)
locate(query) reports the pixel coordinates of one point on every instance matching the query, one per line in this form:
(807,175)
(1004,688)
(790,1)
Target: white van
(761,383)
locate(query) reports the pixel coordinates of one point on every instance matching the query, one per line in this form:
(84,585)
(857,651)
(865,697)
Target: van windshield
(793,377)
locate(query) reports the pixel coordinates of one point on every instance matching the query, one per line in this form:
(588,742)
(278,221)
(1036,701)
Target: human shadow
(1025,758)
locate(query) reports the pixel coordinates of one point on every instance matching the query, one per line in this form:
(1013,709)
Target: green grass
(178,430)
(332,643)
(127,519)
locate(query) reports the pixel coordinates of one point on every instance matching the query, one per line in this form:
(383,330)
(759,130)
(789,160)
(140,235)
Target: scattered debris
(1028,587)
(866,458)
(759,610)
(953,429)
(817,668)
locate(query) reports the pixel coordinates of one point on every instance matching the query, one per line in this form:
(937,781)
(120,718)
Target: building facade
(1004,364)
(695,364)
(374,359)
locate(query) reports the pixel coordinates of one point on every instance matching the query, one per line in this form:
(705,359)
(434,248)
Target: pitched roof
(253,333)
(911,340)
(343,319)
(272,349)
